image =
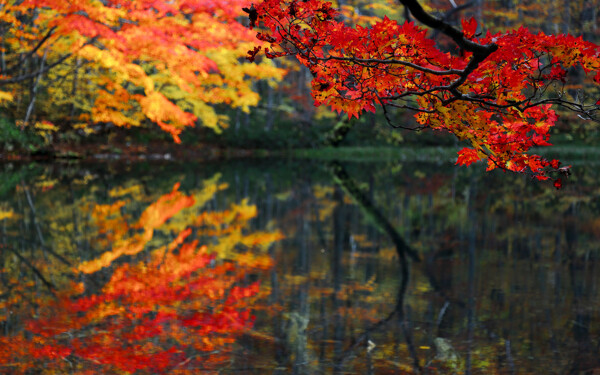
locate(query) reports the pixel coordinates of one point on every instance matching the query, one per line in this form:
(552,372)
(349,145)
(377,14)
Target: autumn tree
(497,91)
(126,63)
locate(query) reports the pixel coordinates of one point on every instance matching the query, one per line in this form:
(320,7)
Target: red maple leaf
(558,183)
(467,156)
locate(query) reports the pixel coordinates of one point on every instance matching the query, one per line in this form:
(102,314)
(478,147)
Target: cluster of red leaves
(501,107)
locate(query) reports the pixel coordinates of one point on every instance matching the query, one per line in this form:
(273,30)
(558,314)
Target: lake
(297,267)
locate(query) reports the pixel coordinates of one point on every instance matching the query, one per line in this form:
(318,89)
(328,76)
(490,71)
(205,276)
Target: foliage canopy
(496,91)
(126,62)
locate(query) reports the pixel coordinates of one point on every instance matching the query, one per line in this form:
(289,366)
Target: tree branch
(480,51)
(25,77)
(435,23)
(30,53)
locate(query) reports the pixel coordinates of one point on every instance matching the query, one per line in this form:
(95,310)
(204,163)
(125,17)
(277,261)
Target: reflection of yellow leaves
(133,246)
(228,240)
(320,191)
(422,287)
(5,96)
(252,260)
(326,205)
(121,191)
(85,180)
(262,240)
(46,184)
(244,211)
(174,212)
(295,280)
(6,213)
(388,253)
(283,196)
(153,217)
(210,187)
(326,209)
(105,210)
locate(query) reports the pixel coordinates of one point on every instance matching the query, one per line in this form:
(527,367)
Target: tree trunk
(34,88)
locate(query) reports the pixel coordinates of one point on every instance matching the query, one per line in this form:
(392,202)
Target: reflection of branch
(372,212)
(37,272)
(402,249)
(39,229)
(398,311)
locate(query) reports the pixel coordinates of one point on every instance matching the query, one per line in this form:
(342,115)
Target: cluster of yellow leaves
(130,63)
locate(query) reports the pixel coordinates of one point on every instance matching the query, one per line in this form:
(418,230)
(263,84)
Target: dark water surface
(274,267)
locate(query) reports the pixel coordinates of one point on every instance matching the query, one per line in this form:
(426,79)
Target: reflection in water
(176,308)
(396,268)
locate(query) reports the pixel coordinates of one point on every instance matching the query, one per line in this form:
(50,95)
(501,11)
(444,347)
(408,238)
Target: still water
(292,267)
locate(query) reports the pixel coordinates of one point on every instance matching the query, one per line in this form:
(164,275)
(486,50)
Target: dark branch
(25,77)
(37,272)
(435,23)
(375,62)
(480,51)
(33,51)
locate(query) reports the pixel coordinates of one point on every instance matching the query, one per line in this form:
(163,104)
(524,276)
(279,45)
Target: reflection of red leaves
(145,330)
(128,359)
(201,309)
(52,352)
(166,312)
(237,293)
